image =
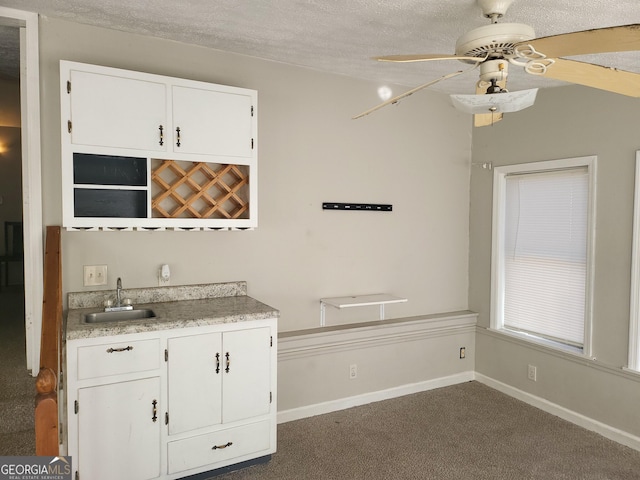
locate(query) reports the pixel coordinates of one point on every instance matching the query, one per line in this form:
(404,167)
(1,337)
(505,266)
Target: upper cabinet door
(212,122)
(118,112)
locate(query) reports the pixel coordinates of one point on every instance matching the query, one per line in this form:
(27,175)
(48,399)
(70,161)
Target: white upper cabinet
(208,120)
(118,112)
(148,151)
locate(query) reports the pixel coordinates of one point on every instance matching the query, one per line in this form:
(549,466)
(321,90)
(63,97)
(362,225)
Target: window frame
(498,241)
(634,311)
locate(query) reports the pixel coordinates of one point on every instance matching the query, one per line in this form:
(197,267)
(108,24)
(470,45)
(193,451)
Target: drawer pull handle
(161,128)
(217,362)
(125,349)
(216,447)
(228,357)
(177,136)
(155,411)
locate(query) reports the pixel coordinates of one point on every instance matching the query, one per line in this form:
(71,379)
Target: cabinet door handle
(125,349)
(217,362)
(177,136)
(161,128)
(216,447)
(155,411)
(228,357)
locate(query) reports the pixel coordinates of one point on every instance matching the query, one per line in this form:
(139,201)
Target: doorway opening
(21,277)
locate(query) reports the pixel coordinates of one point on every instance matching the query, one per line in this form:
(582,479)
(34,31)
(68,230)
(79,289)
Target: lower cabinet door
(246,380)
(119,430)
(195,369)
(219,448)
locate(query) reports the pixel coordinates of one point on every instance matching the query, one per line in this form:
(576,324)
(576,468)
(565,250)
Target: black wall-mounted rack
(371,207)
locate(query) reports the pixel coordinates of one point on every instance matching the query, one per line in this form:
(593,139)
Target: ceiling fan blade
(596,76)
(486,119)
(406,94)
(623,38)
(425,58)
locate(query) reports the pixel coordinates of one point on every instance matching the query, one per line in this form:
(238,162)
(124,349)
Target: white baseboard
(365,398)
(583,421)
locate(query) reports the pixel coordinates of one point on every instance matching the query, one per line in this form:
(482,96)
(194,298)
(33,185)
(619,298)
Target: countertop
(172,311)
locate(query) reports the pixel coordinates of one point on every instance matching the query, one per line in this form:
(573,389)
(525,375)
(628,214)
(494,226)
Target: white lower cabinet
(171,403)
(218,446)
(194,397)
(119,430)
(218,378)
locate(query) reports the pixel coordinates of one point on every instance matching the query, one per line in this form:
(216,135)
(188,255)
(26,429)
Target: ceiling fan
(492,48)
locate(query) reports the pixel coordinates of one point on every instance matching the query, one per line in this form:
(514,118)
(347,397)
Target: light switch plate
(95,275)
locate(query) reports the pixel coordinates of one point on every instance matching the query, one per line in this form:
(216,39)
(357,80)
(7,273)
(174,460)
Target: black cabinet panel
(110,203)
(91,169)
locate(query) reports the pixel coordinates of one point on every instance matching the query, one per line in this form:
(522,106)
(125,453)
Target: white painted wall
(415,156)
(567,122)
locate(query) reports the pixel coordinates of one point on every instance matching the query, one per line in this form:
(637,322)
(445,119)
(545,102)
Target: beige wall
(310,151)
(567,122)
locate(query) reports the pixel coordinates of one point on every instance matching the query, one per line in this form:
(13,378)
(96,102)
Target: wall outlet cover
(94,275)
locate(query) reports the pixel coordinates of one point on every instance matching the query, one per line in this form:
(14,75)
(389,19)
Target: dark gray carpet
(467,431)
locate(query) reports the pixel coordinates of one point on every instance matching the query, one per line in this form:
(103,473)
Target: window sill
(632,371)
(529,338)
(581,359)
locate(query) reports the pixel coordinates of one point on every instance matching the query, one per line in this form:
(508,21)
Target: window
(542,240)
(634,323)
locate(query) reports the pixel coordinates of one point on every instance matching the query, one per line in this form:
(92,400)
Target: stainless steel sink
(101,317)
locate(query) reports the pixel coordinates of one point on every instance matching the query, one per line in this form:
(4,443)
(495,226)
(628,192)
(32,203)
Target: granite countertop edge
(172,311)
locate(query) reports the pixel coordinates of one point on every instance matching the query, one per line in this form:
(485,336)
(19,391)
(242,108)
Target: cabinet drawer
(116,358)
(230,443)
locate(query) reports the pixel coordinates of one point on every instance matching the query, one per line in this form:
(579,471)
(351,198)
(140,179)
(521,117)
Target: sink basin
(124,315)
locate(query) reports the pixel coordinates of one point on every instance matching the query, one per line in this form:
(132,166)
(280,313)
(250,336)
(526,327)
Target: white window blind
(545,253)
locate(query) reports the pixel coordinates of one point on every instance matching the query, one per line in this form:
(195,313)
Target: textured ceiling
(341,36)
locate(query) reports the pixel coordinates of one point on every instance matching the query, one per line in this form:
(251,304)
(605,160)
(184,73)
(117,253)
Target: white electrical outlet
(532,373)
(94,275)
(164,275)
(353,371)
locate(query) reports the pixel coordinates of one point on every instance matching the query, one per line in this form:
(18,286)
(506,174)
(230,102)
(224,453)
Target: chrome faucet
(118,306)
(119,292)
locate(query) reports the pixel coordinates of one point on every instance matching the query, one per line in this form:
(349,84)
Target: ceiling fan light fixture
(504,102)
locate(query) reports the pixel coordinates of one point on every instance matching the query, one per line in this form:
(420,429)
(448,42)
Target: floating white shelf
(381,299)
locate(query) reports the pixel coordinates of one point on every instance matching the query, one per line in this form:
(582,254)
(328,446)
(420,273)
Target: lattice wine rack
(183,189)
